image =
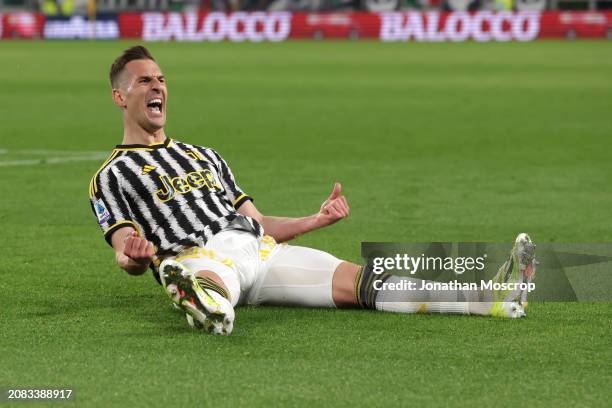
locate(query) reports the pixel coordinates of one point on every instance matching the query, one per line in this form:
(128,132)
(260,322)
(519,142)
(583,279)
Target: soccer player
(176,208)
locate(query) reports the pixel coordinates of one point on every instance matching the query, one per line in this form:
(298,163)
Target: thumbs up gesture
(334,208)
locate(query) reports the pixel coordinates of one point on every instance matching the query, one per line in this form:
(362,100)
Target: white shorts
(261,271)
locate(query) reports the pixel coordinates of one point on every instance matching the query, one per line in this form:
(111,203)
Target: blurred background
(83,7)
(278,20)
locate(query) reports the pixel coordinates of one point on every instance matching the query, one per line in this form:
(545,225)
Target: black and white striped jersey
(174,194)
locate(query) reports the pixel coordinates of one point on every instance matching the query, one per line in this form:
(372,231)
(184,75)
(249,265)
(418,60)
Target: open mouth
(155,106)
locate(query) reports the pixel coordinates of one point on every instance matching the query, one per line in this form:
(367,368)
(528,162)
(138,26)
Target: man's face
(143,94)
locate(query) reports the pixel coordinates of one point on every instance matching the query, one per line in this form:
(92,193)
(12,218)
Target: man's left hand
(333,209)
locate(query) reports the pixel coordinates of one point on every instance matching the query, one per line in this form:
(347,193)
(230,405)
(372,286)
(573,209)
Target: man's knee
(228,288)
(212,271)
(213,276)
(344,284)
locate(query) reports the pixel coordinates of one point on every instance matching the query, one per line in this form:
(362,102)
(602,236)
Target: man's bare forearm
(285,229)
(282,229)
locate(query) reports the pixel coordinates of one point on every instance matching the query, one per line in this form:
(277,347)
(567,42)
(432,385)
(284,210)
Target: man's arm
(283,229)
(133,253)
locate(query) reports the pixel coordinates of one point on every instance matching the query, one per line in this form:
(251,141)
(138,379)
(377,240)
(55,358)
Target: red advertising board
(21,25)
(279,26)
(395,26)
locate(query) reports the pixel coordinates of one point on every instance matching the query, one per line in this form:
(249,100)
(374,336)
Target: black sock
(208,283)
(364,286)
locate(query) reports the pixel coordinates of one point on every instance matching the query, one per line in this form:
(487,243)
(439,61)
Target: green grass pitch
(471,142)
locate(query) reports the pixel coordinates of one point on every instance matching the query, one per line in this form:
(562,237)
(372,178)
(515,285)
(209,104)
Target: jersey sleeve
(108,203)
(234,192)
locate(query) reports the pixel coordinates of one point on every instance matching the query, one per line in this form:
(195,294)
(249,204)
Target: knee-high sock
(432,301)
(415,301)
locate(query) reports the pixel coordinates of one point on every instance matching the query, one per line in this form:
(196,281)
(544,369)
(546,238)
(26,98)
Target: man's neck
(142,137)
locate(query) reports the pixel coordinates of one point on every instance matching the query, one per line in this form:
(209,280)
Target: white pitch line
(52,160)
(65,156)
(53,152)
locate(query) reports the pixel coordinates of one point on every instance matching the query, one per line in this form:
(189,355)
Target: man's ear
(118,98)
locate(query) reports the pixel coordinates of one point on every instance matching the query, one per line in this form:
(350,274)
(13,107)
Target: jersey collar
(165,143)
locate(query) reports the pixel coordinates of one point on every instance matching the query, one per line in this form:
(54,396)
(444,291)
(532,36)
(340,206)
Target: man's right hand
(138,249)
(133,253)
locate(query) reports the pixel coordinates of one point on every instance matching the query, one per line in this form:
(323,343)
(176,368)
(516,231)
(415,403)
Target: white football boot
(204,308)
(520,268)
